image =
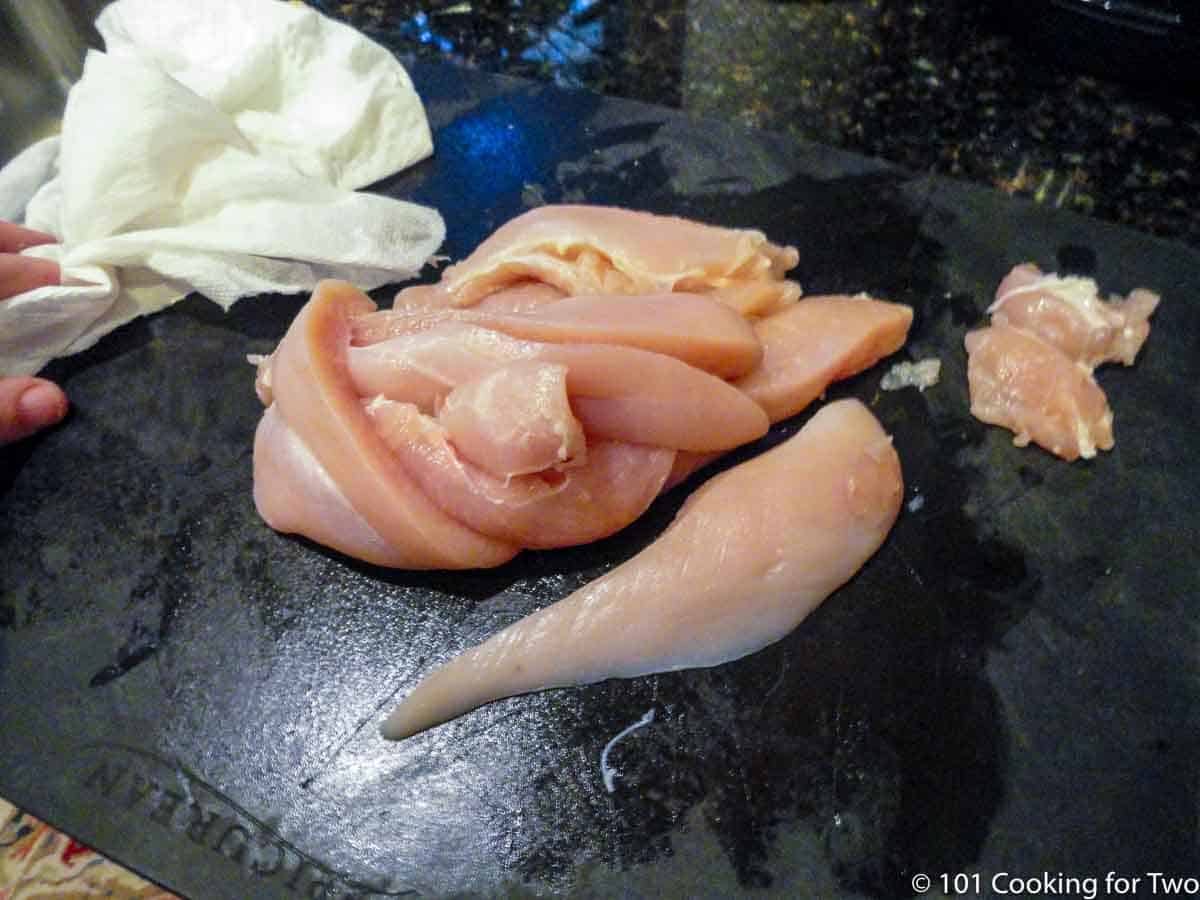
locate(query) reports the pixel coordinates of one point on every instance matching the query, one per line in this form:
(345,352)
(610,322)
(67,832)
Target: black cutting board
(1009,686)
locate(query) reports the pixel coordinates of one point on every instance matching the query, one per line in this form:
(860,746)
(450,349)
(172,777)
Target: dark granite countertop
(948,87)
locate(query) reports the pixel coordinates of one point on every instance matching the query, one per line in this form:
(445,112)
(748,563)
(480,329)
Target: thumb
(27,405)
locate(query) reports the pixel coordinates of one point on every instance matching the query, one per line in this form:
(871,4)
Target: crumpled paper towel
(215,146)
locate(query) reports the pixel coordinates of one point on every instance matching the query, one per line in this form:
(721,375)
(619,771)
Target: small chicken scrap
(1030,371)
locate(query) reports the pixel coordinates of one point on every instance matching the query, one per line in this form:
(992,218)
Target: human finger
(15,238)
(19,274)
(27,405)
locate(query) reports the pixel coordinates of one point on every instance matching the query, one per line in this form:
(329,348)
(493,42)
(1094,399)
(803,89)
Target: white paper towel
(216,146)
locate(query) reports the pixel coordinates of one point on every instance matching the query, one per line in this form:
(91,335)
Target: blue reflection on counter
(419,29)
(569,43)
(494,144)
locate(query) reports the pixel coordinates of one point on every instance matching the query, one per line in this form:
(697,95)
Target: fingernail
(41,405)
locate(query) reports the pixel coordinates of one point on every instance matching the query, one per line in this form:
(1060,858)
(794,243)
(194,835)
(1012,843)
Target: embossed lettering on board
(142,783)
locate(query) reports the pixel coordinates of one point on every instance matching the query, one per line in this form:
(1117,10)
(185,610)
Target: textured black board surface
(1010,685)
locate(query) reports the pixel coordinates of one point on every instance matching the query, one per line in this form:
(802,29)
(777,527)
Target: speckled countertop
(955,88)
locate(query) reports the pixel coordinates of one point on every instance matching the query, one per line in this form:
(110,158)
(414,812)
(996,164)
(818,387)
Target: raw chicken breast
(806,348)
(515,420)
(607,250)
(818,341)
(577,505)
(312,393)
(749,555)
(294,494)
(521,296)
(690,327)
(1069,314)
(1031,388)
(423,368)
(1031,370)
(524,296)
(546,389)
(420,451)
(618,393)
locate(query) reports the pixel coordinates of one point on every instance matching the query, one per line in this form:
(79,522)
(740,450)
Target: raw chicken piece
(381,479)
(749,555)
(1022,383)
(608,250)
(818,341)
(545,389)
(522,296)
(1069,314)
(617,393)
(515,420)
(1031,370)
(294,494)
(690,327)
(576,505)
(806,348)
(423,368)
(1020,276)
(313,394)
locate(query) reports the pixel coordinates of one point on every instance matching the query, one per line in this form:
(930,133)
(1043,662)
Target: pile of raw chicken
(552,384)
(547,389)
